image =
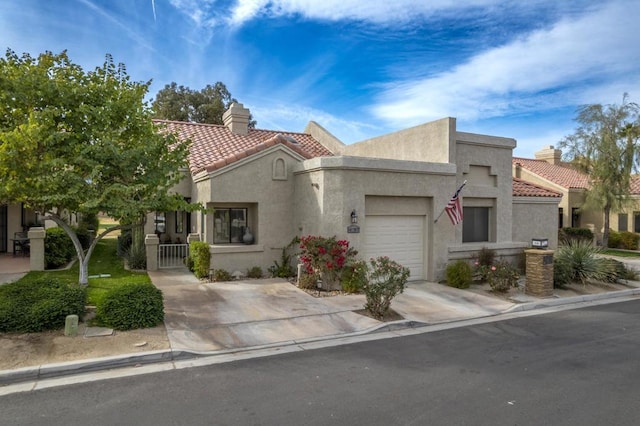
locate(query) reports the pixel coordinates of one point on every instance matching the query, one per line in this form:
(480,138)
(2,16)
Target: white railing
(172,255)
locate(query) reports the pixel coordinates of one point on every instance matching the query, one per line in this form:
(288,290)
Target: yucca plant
(578,261)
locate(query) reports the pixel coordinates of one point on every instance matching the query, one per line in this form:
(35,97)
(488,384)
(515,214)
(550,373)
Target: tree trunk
(605,231)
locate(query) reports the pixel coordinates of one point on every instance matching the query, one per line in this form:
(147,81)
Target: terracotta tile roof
(527,189)
(635,185)
(561,175)
(214,146)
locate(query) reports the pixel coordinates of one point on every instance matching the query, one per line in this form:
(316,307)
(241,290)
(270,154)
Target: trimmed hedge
(623,240)
(201,258)
(130,306)
(459,274)
(573,234)
(58,248)
(39,305)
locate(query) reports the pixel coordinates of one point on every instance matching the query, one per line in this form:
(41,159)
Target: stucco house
(14,219)
(384,195)
(548,170)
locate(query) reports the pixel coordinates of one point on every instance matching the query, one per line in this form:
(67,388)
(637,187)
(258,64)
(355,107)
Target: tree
(605,148)
(181,103)
(83,142)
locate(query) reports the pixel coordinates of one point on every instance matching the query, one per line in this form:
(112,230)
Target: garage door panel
(401,238)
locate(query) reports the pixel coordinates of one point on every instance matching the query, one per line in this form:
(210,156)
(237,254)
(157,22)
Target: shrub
(89,221)
(572,234)
(125,240)
(255,272)
(326,257)
(579,259)
(308,282)
(503,276)
(58,248)
(629,240)
(385,280)
(283,269)
(562,272)
(38,305)
(354,277)
(84,236)
(221,275)
(136,257)
(615,239)
(486,256)
(199,253)
(130,306)
(459,274)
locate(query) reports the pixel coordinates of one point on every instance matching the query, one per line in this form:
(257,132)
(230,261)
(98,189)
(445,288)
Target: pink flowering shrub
(502,277)
(326,258)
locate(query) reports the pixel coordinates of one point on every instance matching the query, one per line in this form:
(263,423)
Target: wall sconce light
(354,217)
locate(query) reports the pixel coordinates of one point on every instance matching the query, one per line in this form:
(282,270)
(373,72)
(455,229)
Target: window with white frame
(229,225)
(475,224)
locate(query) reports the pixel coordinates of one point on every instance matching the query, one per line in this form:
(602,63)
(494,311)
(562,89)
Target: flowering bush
(325,257)
(502,277)
(386,279)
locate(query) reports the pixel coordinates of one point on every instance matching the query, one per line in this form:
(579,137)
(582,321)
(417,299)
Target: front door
(3,228)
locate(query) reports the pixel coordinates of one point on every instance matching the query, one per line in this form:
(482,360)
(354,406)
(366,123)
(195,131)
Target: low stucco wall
(535,217)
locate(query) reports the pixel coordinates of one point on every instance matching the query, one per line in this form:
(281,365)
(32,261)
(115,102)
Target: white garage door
(401,238)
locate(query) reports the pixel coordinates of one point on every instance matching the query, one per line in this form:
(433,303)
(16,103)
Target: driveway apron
(203,317)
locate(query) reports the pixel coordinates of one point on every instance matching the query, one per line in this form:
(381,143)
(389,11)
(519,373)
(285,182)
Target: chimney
(549,154)
(236,118)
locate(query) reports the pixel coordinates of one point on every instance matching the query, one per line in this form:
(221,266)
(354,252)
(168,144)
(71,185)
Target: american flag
(453,209)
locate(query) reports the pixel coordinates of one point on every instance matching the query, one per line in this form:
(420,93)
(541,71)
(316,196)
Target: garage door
(401,238)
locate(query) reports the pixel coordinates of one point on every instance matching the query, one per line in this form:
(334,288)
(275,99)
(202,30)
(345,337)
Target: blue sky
(361,68)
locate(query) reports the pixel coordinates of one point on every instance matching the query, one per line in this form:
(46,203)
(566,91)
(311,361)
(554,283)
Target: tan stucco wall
(535,217)
(250,183)
(323,136)
(431,142)
(375,186)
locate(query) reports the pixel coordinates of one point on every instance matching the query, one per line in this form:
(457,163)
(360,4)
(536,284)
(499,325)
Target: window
(229,225)
(560,217)
(475,224)
(575,217)
(636,222)
(161,223)
(623,220)
(179,222)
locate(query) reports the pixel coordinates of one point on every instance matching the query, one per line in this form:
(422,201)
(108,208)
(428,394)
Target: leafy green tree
(181,103)
(605,147)
(83,142)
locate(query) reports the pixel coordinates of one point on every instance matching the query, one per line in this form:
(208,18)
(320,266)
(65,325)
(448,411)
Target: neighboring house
(548,170)
(383,195)
(14,218)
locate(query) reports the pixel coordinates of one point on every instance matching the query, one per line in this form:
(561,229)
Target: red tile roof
(561,175)
(527,189)
(214,146)
(635,185)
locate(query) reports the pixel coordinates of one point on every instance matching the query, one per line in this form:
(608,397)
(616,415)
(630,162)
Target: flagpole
(445,207)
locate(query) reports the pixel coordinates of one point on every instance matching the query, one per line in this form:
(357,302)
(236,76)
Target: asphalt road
(579,367)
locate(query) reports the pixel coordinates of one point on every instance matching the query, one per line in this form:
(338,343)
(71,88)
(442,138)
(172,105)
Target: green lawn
(621,253)
(103,261)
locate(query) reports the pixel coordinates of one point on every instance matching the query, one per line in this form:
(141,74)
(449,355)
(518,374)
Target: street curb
(48,371)
(547,303)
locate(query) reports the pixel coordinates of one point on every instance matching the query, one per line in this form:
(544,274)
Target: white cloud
(293,117)
(545,69)
(378,11)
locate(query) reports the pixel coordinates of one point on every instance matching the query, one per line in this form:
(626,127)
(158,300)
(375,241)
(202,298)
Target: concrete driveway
(206,317)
